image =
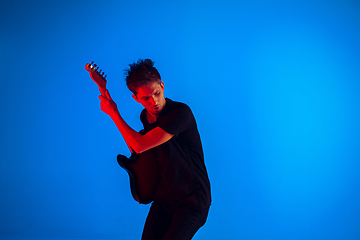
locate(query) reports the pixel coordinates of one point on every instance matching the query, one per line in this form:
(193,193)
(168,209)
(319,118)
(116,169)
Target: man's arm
(139,143)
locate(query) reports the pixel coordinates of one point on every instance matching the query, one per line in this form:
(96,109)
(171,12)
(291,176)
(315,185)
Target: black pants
(181,224)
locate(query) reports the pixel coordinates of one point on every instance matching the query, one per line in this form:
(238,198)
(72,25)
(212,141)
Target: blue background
(274,86)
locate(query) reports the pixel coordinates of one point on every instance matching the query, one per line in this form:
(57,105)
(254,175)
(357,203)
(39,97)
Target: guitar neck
(102,91)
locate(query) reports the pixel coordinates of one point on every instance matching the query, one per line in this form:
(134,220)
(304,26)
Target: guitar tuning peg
(95,65)
(102,74)
(100,71)
(105,76)
(91,62)
(97,68)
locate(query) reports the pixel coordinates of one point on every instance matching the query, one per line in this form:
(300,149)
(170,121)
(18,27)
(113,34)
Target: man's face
(151,96)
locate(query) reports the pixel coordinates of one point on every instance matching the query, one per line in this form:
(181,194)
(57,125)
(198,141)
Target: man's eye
(157,93)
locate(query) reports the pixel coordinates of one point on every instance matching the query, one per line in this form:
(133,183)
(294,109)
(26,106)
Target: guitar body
(143,170)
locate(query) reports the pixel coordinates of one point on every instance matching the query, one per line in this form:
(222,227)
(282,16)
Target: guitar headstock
(97,75)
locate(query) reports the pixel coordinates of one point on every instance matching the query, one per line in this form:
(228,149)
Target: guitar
(143,168)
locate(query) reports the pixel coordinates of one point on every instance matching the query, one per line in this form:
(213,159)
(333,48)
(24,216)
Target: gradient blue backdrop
(274,86)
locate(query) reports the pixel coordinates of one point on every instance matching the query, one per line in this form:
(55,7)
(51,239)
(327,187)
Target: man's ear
(162,85)
(135,97)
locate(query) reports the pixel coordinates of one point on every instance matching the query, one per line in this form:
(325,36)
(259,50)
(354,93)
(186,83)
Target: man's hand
(107,105)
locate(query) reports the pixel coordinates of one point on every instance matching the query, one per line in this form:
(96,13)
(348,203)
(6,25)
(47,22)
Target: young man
(183,198)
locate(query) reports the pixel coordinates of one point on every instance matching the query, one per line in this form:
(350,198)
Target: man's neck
(151,117)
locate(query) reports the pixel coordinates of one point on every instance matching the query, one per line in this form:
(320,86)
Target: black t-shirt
(184,179)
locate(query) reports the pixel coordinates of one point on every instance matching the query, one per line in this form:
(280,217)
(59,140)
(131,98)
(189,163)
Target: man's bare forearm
(135,141)
(132,138)
(141,143)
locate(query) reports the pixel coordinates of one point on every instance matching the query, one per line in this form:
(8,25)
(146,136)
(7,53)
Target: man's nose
(153,100)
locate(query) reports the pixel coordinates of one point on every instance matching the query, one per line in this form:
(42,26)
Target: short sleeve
(176,119)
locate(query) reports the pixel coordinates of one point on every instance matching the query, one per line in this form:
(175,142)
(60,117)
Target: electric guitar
(143,168)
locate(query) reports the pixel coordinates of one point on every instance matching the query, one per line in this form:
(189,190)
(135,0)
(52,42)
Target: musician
(183,198)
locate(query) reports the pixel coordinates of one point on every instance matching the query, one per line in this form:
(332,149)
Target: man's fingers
(103,99)
(107,94)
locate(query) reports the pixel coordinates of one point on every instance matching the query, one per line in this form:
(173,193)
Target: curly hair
(141,73)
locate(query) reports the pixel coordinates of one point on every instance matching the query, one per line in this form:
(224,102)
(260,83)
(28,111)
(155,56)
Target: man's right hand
(107,105)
